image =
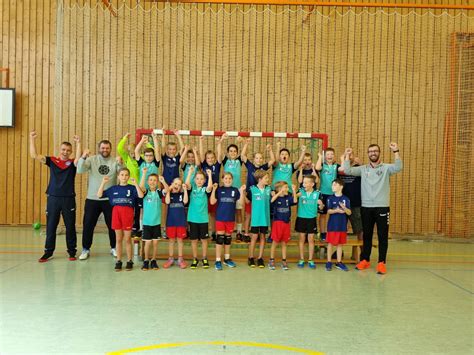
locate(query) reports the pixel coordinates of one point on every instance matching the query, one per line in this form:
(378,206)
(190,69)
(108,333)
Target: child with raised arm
(328,171)
(232,163)
(226,198)
(122,198)
(170,161)
(259,194)
(198,218)
(189,159)
(281,203)
(152,201)
(309,200)
(338,209)
(151,162)
(211,161)
(176,197)
(306,168)
(283,169)
(252,167)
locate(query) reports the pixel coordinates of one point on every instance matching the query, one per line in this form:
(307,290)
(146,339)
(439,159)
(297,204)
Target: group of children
(199,198)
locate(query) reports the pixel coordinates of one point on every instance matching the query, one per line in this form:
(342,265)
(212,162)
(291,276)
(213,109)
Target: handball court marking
(218,343)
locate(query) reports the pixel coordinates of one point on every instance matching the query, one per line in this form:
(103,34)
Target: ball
(36,225)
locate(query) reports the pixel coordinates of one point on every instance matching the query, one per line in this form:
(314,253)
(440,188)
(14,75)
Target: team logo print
(68,163)
(180,198)
(104,170)
(233,193)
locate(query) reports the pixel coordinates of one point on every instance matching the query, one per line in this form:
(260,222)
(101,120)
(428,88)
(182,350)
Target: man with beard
(375,193)
(97,166)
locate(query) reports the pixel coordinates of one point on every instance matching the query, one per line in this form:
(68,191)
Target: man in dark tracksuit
(61,196)
(375,193)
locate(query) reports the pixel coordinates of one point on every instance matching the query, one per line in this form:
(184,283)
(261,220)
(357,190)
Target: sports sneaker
(72,257)
(260,263)
(194,264)
(113,252)
(154,265)
(381,269)
(205,263)
(229,263)
(182,264)
(362,265)
(46,257)
(251,262)
(218,265)
(341,266)
(300,263)
(271,264)
(146,265)
(118,265)
(129,265)
(328,266)
(246,238)
(323,237)
(169,263)
(85,254)
(238,237)
(311,264)
(284,265)
(269,239)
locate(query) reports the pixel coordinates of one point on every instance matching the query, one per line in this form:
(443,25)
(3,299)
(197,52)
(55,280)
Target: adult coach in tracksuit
(61,196)
(98,166)
(375,193)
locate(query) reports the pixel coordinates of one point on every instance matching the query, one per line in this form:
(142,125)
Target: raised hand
(144,139)
(268,147)
(33,135)
(348,151)
(76,139)
(293,188)
(393,146)
(208,172)
(133,181)
(145,169)
(215,186)
(243,187)
(105,179)
(303,148)
(86,153)
(161,179)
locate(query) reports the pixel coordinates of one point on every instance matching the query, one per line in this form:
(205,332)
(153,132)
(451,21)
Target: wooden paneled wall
(27,47)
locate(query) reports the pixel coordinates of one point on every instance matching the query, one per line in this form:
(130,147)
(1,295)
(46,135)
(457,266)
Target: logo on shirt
(233,193)
(104,170)
(68,163)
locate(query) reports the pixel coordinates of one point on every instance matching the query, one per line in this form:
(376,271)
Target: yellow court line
(232,343)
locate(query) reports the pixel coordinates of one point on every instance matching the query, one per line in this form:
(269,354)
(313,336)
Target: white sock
(218,259)
(226,256)
(239,227)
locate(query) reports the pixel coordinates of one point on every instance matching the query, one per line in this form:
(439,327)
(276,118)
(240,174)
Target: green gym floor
(423,305)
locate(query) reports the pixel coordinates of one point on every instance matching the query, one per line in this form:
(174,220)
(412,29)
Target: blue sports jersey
(338,221)
(215,170)
(352,188)
(251,169)
(61,178)
(227,198)
(119,195)
(281,208)
(176,216)
(170,168)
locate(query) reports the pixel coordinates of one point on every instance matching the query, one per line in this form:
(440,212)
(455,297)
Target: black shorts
(306,225)
(151,232)
(259,230)
(198,231)
(139,203)
(324,199)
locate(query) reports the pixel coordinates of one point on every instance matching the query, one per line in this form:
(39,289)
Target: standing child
(232,163)
(328,173)
(151,217)
(281,206)
(198,218)
(338,209)
(283,170)
(209,161)
(308,203)
(259,194)
(176,197)
(306,168)
(226,198)
(188,160)
(170,160)
(122,197)
(252,167)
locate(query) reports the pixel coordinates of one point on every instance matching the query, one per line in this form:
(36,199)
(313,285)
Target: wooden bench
(238,247)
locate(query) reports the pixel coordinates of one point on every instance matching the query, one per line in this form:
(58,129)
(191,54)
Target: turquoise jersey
(152,169)
(283,172)
(328,174)
(186,172)
(308,204)
(260,216)
(152,208)
(234,166)
(197,211)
